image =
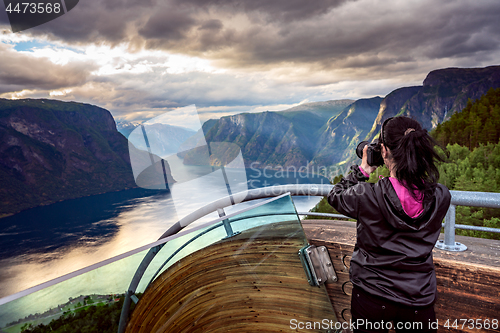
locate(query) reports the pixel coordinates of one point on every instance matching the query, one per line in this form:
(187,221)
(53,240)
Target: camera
(373,153)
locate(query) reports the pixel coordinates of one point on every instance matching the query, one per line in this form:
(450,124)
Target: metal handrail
(465,198)
(337,216)
(462,198)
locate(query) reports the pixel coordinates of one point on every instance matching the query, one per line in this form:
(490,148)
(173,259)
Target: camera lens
(360,147)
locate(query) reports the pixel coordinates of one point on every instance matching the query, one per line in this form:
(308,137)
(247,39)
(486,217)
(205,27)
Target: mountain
(444,92)
(283,138)
(267,138)
(391,106)
(52,150)
(345,131)
(447,91)
(126,127)
(164,139)
(293,138)
(270,139)
(196,140)
(324,110)
(168,136)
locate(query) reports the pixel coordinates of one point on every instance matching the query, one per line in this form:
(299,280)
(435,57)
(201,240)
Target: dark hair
(412,150)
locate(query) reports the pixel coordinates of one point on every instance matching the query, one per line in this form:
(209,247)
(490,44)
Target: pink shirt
(412,207)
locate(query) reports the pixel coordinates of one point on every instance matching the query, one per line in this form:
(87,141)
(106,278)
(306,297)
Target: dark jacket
(392,257)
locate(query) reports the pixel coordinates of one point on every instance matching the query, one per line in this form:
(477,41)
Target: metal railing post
(449,243)
(226,224)
(449,226)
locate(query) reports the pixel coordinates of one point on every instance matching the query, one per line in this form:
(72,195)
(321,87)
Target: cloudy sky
(140,58)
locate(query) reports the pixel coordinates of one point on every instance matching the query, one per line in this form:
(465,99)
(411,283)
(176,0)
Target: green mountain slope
(478,123)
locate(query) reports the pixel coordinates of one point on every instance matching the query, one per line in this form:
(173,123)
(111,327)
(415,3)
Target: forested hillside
(478,123)
(476,170)
(89,319)
(472,141)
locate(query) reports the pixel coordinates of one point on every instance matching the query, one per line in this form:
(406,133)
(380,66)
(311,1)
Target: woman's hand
(364,164)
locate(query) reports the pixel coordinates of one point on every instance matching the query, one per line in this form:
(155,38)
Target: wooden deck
(255,282)
(468,282)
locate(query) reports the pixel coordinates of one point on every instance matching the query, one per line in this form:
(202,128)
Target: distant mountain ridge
(165,138)
(299,138)
(326,110)
(444,92)
(52,150)
(266,138)
(126,127)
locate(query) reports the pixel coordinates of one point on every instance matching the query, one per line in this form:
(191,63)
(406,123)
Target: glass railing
(240,271)
(266,213)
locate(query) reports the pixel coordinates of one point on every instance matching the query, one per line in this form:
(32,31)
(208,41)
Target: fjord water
(43,243)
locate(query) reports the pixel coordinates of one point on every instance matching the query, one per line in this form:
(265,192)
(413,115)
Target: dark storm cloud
(4,20)
(168,23)
(451,31)
(97,21)
(41,73)
(214,25)
(262,34)
(465,32)
(282,10)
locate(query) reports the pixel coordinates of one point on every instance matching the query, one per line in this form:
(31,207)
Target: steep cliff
(446,91)
(266,138)
(392,106)
(52,150)
(344,132)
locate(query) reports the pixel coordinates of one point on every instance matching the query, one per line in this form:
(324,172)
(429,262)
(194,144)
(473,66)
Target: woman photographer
(398,223)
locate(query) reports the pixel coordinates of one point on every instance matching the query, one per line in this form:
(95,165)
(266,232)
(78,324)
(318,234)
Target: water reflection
(74,222)
(136,222)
